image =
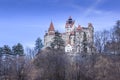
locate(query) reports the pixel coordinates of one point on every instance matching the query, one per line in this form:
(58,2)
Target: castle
(76,38)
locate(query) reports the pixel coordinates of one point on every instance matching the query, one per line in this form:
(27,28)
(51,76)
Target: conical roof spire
(51,28)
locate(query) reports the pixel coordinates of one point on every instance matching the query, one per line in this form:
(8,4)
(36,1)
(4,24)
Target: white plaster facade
(68,48)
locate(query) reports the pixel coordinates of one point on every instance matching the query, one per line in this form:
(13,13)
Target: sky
(23,21)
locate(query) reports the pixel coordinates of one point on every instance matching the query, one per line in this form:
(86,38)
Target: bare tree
(101,39)
(113,45)
(51,64)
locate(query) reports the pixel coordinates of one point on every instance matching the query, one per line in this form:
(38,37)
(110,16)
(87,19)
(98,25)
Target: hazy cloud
(93,8)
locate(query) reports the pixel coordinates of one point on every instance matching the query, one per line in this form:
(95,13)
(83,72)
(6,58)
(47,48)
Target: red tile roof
(51,28)
(79,27)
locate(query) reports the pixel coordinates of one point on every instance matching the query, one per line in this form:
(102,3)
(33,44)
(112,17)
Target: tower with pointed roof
(73,37)
(48,37)
(51,29)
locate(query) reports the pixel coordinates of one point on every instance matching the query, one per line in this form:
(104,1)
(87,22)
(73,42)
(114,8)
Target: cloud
(92,7)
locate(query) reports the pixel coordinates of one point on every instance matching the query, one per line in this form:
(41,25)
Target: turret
(51,30)
(91,37)
(48,38)
(69,25)
(90,27)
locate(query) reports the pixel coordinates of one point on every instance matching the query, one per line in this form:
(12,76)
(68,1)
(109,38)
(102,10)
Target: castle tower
(69,29)
(90,26)
(79,38)
(91,37)
(48,38)
(51,29)
(69,25)
(91,31)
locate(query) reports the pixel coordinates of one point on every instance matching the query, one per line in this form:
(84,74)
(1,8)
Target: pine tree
(7,50)
(58,41)
(1,51)
(18,49)
(38,45)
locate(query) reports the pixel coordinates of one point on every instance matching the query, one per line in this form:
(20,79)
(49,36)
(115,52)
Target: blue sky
(25,20)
